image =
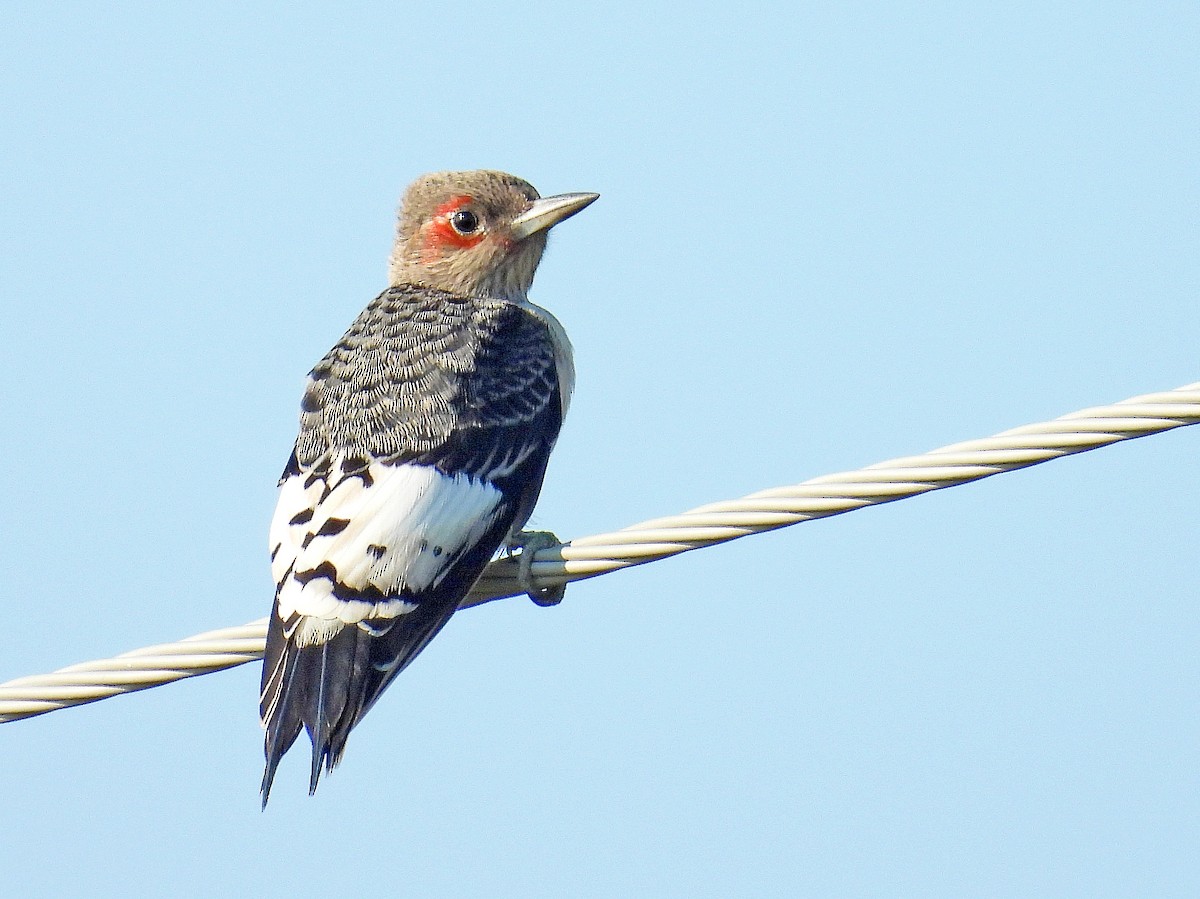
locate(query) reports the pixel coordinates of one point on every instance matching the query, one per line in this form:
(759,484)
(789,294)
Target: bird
(423,443)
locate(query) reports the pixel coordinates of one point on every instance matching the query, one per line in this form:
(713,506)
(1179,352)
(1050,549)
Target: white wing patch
(400,536)
(286,536)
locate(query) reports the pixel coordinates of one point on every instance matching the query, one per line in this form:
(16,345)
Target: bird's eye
(464,221)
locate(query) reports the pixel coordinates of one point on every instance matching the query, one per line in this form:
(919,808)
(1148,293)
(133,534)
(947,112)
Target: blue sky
(827,237)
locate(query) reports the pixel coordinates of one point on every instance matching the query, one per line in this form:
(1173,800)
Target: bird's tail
(326,685)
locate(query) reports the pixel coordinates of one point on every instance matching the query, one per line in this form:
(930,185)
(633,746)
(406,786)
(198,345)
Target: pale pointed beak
(548,212)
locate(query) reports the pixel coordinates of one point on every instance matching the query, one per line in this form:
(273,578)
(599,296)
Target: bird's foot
(529,542)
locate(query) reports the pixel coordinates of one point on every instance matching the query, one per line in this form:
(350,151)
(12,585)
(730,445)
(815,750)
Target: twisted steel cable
(833,494)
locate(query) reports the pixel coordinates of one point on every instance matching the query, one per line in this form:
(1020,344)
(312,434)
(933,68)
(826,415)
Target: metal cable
(658,538)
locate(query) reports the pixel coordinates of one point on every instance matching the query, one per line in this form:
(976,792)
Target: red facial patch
(439,234)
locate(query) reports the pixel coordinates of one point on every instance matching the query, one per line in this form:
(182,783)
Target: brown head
(475,233)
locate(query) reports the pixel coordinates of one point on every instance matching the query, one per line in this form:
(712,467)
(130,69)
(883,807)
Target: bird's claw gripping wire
(529,542)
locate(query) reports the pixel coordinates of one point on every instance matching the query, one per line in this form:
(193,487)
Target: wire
(658,538)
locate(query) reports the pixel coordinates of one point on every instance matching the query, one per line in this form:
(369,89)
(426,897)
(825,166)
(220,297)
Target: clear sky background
(829,235)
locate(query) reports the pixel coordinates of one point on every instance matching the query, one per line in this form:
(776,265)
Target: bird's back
(423,442)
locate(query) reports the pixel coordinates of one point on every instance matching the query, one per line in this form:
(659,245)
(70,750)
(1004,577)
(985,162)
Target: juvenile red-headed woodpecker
(424,438)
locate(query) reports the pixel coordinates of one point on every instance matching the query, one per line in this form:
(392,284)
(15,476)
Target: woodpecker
(424,437)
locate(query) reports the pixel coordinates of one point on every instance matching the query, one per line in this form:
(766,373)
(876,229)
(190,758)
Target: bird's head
(476,233)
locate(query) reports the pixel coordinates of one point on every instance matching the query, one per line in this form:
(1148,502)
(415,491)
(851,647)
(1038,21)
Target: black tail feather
(277,704)
(318,730)
(326,688)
